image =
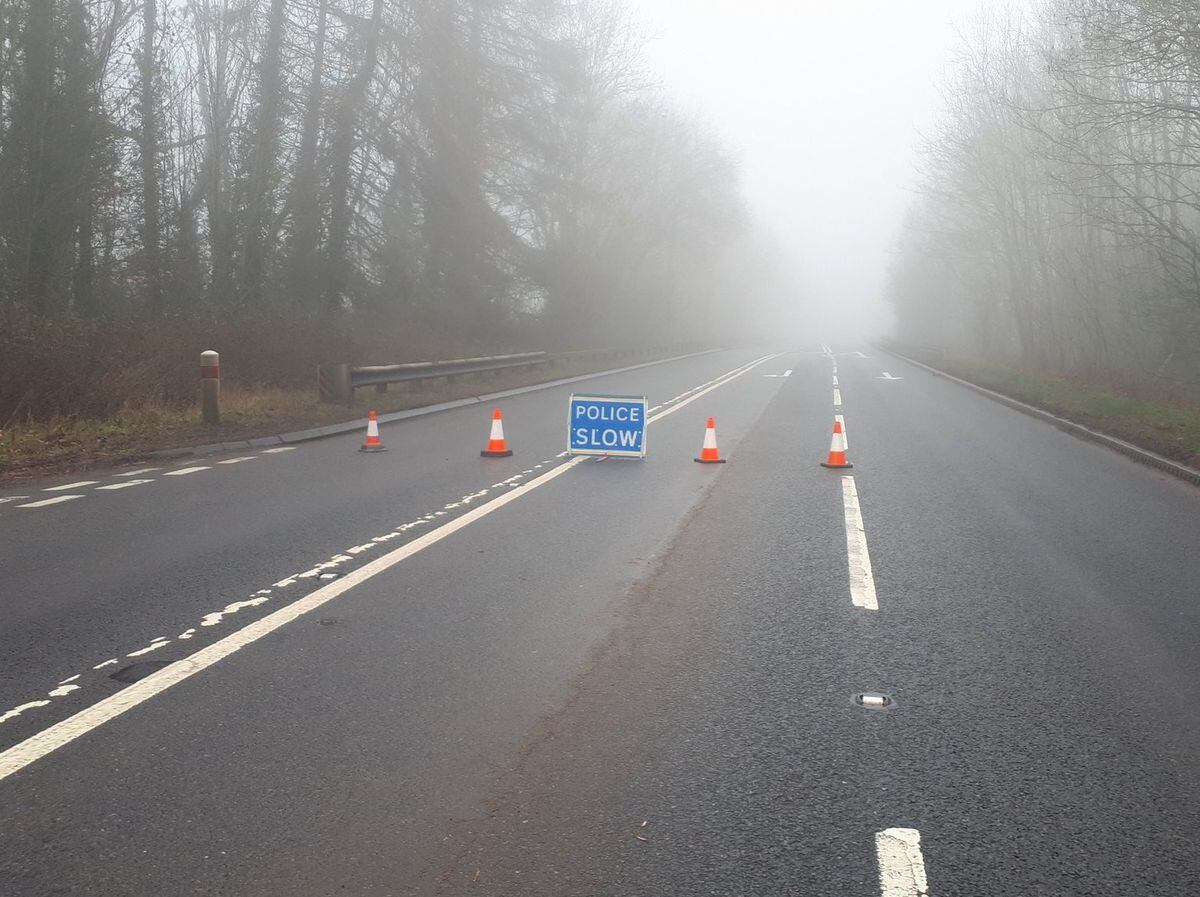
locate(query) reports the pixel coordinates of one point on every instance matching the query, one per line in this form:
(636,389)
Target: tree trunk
(151,230)
(306,204)
(260,188)
(337,264)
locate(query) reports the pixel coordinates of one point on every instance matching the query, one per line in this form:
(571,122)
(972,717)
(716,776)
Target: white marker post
(210,387)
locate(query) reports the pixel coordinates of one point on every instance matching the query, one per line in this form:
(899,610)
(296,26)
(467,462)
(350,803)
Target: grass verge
(1168,426)
(35,450)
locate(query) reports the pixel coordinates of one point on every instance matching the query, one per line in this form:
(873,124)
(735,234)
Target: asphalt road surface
(426,672)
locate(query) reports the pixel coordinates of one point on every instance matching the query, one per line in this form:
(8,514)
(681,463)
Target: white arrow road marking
(64,732)
(901,866)
(887,376)
(862,580)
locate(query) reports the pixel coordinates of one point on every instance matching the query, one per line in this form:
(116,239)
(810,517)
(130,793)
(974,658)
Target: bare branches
(1063,192)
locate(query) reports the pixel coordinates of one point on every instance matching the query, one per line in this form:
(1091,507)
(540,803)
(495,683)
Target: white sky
(825,102)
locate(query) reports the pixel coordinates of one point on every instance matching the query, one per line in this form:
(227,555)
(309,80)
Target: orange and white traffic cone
(709,453)
(496,446)
(373,443)
(837,449)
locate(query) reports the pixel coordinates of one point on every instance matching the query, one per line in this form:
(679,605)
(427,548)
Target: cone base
(710,460)
(505,454)
(372,449)
(836,466)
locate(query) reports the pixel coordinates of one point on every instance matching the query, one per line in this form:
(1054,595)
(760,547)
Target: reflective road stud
(496,447)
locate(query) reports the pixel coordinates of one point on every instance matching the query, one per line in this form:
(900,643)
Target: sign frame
(599,450)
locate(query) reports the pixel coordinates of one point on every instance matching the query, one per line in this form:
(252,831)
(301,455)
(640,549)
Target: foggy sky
(825,101)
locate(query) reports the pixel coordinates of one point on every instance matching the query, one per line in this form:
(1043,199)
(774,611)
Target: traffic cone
(373,443)
(496,447)
(709,453)
(837,449)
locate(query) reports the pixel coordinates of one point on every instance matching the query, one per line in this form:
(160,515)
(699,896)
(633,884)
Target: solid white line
(238,460)
(124,485)
(183,471)
(50,739)
(720,381)
(862,580)
(845,439)
(50,501)
(78,485)
(901,866)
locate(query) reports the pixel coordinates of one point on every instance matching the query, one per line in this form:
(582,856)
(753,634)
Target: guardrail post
(210,387)
(333,383)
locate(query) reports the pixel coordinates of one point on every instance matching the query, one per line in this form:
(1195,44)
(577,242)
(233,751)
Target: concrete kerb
(353,426)
(1144,456)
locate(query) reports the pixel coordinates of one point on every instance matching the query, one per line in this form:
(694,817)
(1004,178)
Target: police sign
(608,425)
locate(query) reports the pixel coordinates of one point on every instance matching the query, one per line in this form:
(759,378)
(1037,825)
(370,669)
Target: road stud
(708,453)
(837,449)
(496,447)
(373,443)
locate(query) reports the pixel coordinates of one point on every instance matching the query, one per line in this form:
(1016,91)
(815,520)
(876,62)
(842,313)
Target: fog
(826,104)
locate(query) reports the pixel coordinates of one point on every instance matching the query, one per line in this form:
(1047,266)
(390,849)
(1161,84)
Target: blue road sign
(608,425)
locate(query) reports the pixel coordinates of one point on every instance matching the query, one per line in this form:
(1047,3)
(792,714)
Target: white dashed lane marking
(46,502)
(901,865)
(124,485)
(862,580)
(78,485)
(126,479)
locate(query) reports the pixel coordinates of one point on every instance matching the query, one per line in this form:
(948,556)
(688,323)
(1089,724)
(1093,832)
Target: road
(615,677)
